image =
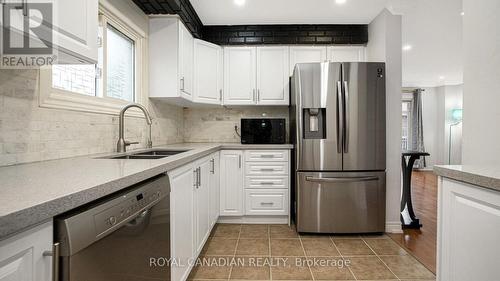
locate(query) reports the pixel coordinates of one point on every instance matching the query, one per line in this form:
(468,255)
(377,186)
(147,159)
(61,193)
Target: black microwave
(263,131)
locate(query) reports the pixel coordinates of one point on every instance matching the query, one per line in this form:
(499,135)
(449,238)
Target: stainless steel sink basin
(152,154)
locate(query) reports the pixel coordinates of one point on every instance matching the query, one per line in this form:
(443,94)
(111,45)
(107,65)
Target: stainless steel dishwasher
(123,237)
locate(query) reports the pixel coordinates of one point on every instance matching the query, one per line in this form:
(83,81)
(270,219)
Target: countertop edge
(481,180)
(21,220)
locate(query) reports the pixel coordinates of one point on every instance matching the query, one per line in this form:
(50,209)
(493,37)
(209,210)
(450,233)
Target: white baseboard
(393,227)
(255,219)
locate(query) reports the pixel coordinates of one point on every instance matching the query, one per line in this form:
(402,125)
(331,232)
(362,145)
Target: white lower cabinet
(231,183)
(468,228)
(266,201)
(21,256)
(194,193)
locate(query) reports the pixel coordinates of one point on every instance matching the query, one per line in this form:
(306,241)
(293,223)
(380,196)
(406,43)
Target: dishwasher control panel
(126,208)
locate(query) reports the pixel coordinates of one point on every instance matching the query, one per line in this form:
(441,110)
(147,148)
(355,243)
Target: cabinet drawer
(266,168)
(266,155)
(266,182)
(266,202)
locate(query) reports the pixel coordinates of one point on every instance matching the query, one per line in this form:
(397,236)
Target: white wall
(481,145)
(385,45)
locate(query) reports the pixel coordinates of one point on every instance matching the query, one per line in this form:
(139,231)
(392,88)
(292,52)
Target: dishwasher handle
(55,253)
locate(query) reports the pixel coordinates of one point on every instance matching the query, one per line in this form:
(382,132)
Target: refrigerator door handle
(341,179)
(346,118)
(340,117)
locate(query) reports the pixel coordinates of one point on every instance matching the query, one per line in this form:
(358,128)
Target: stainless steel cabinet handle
(340,115)
(55,260)
(25,8)
(239,161)
(346,117)
(254,96)
(182,84)
(266,203)
(258,94)
(212,161)
(220,94)
(266,170)
(340,179)
(267,156)
(267,183)
(199,177)
(195,173)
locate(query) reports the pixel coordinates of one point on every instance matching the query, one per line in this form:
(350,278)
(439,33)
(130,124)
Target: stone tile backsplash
(29,133)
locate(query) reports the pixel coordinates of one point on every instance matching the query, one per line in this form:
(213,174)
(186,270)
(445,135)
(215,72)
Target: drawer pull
(267,183)
(266,203)
(267,156)
(266,170)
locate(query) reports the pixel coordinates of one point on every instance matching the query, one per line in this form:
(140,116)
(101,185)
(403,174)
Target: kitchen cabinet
(22,256)
(208,74)
(231,183)
(240,75)
(171,60)
(182,216)
(256,75)
(468,227)
(214,189)
(202,202)
(272,76)
(346,53)
(303,54)
(72,27)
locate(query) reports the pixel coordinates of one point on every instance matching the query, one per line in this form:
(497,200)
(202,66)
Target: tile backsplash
(29,133)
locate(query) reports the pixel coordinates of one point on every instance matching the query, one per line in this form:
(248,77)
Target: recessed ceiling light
(407,47)
(239,2)
(462,13)
(340,2)
(441,77)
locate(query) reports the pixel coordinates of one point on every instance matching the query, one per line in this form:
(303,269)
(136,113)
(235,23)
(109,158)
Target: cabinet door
(240,75)
(272,75)
(202,199)
(231,183)
(207,72)
(346,54)
(306,54)
(182,219)
(21,256)
(186,45)
(214,189)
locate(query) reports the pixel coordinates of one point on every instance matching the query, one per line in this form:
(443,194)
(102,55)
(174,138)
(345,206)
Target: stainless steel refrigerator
(337,121)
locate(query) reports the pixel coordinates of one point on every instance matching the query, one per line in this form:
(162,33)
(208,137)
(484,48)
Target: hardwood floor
(422,243)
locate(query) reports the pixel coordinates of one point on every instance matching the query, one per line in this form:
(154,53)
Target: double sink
(148,155)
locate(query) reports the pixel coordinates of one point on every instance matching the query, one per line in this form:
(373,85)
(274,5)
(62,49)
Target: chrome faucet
(122,144)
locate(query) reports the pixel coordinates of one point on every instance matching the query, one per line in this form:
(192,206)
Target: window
(405,136)
(104,87)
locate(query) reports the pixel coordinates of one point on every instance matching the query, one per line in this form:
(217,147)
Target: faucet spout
(122,144)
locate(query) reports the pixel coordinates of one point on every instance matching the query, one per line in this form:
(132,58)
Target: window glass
(79,79)
(120,65)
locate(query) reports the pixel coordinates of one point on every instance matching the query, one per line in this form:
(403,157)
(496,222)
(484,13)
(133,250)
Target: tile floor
(277,252)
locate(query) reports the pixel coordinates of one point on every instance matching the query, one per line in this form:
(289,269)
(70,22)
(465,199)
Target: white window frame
(51,97)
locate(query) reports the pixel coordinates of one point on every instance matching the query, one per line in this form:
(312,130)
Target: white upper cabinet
(240,75)
(272,76)
(171,60)
(346,54)
(304,54)
(186,61)
(207,72)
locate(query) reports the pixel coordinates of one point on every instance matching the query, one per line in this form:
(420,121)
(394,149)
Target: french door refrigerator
(337,118)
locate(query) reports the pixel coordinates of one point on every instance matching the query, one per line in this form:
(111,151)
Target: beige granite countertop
(483,176)
(36,192)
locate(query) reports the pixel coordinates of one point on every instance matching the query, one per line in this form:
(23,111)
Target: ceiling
(433,28)
(226,12)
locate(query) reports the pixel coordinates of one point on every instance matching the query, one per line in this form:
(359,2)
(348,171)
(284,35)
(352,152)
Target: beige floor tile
(319,247)
(253,247)
(286,247)
(254,231)
(375,236)
(211,268)
(226,230)
(329,269)
(314,235)
(353,247)
(385,247)
(369,268)
(292,269)
(251,268)
(406,267)
(216,246)
(345,236)
(283,231)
